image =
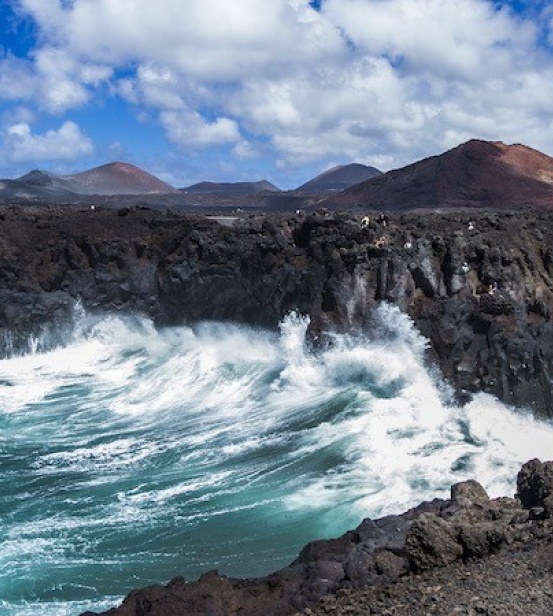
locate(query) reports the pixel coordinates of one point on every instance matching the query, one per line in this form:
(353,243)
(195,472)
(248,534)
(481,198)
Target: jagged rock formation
(476,174)
(339,178)
(480,288)
(378,552)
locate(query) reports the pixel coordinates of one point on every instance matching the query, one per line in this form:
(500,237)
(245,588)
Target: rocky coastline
(397,564)
(478,285)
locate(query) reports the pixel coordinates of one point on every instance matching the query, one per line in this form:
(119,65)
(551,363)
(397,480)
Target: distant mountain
(110,179)
(48,181)
(340,178)
(476,174)
(120,179)
(232,188)
(38,185)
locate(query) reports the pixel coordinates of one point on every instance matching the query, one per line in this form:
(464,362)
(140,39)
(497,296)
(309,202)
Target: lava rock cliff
(479,286)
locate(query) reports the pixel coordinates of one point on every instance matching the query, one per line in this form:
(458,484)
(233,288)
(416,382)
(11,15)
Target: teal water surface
(130,455)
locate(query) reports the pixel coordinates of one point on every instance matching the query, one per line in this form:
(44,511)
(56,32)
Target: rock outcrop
(479,287)
(436,534)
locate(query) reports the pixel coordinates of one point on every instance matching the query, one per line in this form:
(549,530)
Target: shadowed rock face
(479,287)
(477,174)
(378,552)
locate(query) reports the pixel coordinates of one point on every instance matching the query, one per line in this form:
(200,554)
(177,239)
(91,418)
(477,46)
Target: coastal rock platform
(427,560)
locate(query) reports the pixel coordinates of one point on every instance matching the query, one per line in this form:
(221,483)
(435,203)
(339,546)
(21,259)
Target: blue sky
(194,90)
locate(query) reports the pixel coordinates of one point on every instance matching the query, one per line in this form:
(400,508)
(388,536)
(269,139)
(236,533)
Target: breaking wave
(130,455)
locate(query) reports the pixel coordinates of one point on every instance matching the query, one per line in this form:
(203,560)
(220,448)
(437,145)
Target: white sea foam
(211,442)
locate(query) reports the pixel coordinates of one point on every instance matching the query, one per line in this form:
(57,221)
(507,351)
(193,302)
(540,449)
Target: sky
(244,90)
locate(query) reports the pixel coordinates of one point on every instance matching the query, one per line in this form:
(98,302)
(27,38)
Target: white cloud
(55,79)
(209,39)
(156,87)
(245,151)
(63,79)
(190,128)
(66,143)
(16,78)
(467,40)
(380,80)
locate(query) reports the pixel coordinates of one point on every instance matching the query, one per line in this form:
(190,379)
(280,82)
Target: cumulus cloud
(54,79)
(187,127)
(212,39)
(460,40)
(380,81)
(66,143)
(16,79)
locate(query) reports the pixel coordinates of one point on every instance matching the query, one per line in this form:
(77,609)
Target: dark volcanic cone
(340,178)
(119,179)
(476,174)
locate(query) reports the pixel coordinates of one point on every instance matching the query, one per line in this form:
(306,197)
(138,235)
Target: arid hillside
(476,174)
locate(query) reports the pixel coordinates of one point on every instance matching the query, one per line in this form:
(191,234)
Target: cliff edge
(478,286)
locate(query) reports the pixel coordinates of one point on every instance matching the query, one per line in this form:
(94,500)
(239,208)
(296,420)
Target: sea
(131,454)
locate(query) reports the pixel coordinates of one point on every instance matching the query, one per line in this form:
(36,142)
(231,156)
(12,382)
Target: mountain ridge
(485,175)
(232,187)
(115,178)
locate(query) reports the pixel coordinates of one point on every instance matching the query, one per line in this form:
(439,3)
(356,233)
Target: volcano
(119,179)
(477,174)
(339,178)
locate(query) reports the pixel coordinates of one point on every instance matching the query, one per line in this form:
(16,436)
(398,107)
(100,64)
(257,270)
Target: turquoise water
(130,455)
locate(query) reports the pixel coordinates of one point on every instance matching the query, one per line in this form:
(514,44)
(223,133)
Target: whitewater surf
(130,455)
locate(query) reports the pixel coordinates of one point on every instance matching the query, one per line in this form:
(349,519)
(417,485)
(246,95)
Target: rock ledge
(380,556)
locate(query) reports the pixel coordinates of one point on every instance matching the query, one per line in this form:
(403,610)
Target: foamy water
(130,455)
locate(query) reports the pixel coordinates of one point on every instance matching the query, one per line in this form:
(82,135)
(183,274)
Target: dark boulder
(431,542)
(482,539)
(535,485)
(470,490)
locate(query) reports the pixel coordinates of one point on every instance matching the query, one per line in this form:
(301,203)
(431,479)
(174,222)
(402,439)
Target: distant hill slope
(232,188)
(50,182)
(110,179)
(476,174)
(340,178)
(37,185)
(119,179)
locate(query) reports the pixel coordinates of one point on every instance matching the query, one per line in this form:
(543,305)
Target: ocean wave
(225,446)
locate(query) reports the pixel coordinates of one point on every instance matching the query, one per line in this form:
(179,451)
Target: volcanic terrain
(234,188)
(120,179)
(476,174)
(339,178)
(112,179)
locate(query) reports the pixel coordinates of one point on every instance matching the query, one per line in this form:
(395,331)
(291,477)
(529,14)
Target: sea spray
(129,455)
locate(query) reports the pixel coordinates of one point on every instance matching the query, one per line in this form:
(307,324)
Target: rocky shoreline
(396,564)
(478,285)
